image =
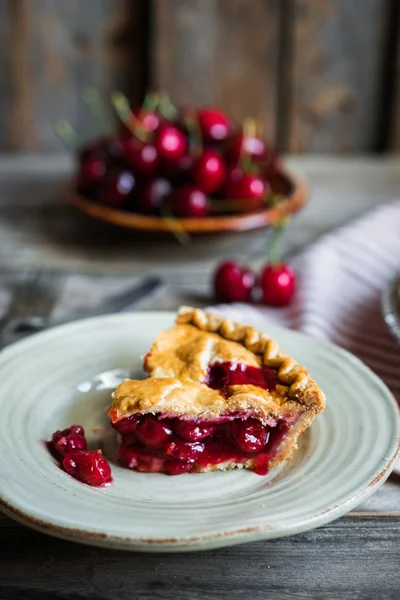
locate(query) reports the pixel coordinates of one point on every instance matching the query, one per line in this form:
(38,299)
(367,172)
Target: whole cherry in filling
(152,432)
(250,435)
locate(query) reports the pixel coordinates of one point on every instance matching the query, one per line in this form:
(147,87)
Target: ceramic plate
(65,375)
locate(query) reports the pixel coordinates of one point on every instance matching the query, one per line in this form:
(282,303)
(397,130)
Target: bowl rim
(288,205)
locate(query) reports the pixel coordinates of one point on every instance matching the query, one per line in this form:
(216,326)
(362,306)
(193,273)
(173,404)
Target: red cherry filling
(88,467)
(249,436)
(68,440)
(191,431)
(170,445)
(233,440)
(222,375)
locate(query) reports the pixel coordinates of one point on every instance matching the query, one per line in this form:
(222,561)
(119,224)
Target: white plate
(48,382)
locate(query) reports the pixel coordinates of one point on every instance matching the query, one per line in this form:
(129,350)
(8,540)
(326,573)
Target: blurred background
(319,75)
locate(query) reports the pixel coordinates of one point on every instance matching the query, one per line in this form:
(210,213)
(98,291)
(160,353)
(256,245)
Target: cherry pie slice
(219,395)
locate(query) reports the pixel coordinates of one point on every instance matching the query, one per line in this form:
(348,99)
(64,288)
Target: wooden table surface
(357,556)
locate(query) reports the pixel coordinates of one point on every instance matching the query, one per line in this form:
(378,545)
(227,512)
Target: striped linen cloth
(340,282)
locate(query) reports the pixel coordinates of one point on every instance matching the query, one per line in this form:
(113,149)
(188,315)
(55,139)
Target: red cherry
(243,186)
(189,202)
(214,124)
(94,150)
(140,156)
(116,188)
(150,120)
(233,283)
(153,194)
(127,425)
(249,436)
(278,284)
(183,450)
(180,171)
(252,146)
(89,467)
(152,432)
(67,440)
(91,171)
(171,143)
(192,431)
(209,171)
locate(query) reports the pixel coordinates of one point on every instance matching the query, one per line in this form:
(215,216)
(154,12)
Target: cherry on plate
(116,188)
(233,283)
(88,467)
(215,125)
(248,145)
(153,194)
(243,186)
(171,143)
(209,171)
(140,156)
(67,440)
(91,171)
(278,284)
(189,202)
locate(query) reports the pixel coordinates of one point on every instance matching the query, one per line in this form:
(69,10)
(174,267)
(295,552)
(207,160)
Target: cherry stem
(151,102)
(174,226)
(195,137)
(99,110)
(249,129)
(166,107)
(126,115)
(274,241)
(68,135)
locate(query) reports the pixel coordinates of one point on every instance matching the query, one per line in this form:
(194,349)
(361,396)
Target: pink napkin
(340,282)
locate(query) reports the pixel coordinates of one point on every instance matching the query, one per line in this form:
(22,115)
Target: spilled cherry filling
(157,443)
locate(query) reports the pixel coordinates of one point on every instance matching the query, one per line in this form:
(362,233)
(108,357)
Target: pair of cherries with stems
(275,285)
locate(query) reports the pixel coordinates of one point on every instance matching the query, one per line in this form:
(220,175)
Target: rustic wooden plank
(59,48)
(394,134)
(223,53)
(319,564)
(5,90)
(336,61)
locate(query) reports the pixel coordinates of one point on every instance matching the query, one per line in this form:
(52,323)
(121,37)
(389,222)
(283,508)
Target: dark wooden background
(320,75)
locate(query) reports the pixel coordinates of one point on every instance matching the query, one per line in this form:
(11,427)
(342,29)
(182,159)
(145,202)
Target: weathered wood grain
(394,134)
(223,53)
(350,558)
(55,50)
(334,70)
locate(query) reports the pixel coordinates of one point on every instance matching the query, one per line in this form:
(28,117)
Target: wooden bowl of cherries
(186,170)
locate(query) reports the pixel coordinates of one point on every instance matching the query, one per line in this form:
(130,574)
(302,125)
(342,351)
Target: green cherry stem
(194,131)
(174,226)
(99,110)
(274,241)
(121,105)
(67,135)
(166,107)
(151,101)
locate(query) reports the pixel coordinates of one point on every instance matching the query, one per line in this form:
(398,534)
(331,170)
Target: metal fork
(35,294)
